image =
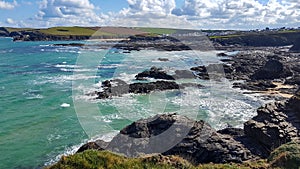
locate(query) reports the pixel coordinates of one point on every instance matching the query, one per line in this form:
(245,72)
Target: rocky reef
(271,70)
(196,141)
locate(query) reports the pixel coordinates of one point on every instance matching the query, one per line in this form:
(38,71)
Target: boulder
(270,71)
(275,124)
(149,87)
(260,85)
(294,103)
(154,72)
(177,135)
(111,88)
(118,87)
(184,74)
(97,145)
(296,46)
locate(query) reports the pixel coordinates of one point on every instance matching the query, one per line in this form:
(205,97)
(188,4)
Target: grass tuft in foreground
(286,156)
(92,159)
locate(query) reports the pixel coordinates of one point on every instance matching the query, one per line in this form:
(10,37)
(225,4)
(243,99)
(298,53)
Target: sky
(196,14)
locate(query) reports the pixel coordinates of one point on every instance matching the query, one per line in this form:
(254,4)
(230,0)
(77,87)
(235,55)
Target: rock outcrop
(118,87)
(170,134)
(176,135)
(276,123)
(154,72)
(296,46)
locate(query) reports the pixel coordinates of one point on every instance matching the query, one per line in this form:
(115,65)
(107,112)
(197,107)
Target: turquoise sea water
(46,109)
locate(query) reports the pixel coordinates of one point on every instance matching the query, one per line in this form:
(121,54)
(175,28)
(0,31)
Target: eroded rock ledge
(275,124)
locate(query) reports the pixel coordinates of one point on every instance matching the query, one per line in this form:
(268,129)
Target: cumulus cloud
(10,21)
(209,14)
(68,12)
(199,14)
(8,5)
(242,14)
(150,13)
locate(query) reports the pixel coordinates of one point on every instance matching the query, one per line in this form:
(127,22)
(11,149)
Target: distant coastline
(220,38)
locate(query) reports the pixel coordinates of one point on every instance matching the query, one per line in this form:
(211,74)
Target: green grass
(159,31)
(286,156)
(67,31)
(225,36)
(78,31)
(92,159)
(18,29)
(105,160)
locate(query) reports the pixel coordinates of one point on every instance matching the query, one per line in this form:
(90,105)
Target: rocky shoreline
(275,124)
(261,70)
(273,71)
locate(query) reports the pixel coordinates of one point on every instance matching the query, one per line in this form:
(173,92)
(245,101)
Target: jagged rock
(222,54)
(256,85)
(177,135)
(275,124)
(118,87)
(271,70)
(184,74)
(163,59)
(155,73)
(97,145)
(201,72)
(111,88)
(213,71)
(296,46)
(149,87)
(294,102)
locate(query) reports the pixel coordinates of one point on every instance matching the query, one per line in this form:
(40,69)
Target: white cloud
(68,12)
(8,5)
(243,14)
(150,13)
(199,14)
(10,21)
(209,14)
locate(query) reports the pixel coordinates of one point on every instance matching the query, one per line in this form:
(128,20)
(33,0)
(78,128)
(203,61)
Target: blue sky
(199,14)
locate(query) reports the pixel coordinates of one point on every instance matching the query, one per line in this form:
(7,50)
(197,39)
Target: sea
(48,106)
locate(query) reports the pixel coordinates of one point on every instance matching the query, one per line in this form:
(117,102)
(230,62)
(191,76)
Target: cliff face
(296,46)
(37,36)
(260,39)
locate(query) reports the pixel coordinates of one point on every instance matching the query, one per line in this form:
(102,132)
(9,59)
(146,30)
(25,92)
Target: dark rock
(12,34)
(201,72)
(195,85)
(155,73)
(226,60)
(111,88)
(232,132)
(222,54)
(118,87)
(270,71)
(177,135)
(184,74)
(256,85)
(163,59)
(296,46)
(97,145)
(294,102)
(213,71)
(70,44)
(148,87)
(274,125)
